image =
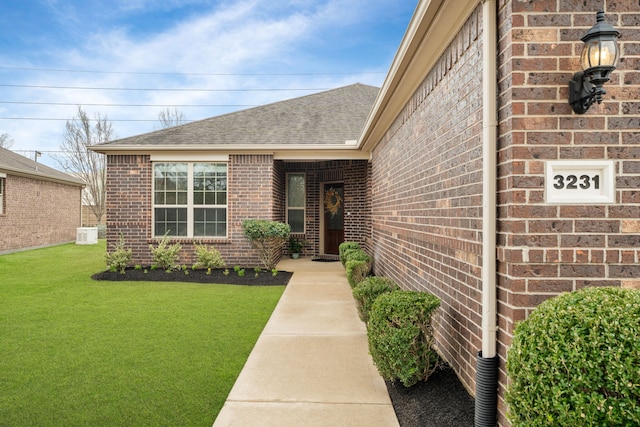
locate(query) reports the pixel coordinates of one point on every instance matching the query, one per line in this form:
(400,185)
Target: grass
(74,351)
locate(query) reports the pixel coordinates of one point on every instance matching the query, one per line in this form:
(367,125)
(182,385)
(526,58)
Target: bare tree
(169,118)
(83,163)
(6,141)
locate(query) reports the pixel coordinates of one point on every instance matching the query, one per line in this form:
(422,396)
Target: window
(190,199)
(296,201)
(1,194)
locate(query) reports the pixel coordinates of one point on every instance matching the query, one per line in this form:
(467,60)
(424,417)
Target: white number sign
(580,182)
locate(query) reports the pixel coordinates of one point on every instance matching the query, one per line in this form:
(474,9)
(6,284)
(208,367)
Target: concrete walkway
(311,365)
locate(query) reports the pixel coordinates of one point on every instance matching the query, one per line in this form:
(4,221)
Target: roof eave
(300,152)
(433,26)
(34,175)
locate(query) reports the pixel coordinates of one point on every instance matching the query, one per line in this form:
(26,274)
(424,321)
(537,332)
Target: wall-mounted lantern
(599,58)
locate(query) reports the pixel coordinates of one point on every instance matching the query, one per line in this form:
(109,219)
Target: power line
(163,89)
(176,73)
(49,119)
(39,151)
(128,105)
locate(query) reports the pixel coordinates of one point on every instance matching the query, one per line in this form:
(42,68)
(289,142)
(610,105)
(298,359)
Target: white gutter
(489,178)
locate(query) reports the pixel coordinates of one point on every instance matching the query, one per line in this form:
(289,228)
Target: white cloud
(236,39)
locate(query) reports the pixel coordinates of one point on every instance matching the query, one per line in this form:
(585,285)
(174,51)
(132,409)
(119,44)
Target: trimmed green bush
(401,336)
(575,361)
(267,237)
(367,291)
(358,266)
(357,255)
(343,248)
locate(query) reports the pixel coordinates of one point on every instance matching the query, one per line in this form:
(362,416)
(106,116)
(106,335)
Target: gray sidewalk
(310,366)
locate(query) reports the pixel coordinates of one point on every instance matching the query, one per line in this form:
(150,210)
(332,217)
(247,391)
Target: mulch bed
(218,276)
(441,401)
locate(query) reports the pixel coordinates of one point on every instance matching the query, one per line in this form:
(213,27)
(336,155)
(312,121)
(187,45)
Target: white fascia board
(222,152)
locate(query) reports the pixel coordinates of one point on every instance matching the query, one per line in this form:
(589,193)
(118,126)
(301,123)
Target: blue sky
(56,55)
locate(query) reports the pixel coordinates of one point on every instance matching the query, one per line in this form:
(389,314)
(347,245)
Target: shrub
(576,361)
(267,237)
(368,290)
(119,258)
(357,255)
(207,258)
(401,336)
(165,256)
(343,248)
(358,266)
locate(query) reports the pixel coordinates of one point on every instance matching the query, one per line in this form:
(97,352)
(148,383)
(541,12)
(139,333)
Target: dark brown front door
(333,204)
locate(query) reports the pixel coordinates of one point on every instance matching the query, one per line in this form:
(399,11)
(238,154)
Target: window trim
(190,206)
(297,208)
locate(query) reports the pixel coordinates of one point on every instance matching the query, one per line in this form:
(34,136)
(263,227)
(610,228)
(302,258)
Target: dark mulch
(263,278)
(441,401)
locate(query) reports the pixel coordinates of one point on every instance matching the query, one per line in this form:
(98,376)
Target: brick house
(448,181)
(39,206)
(199,181)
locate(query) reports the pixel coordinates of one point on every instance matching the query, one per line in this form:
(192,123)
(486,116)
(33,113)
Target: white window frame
(190,206)
(303,208)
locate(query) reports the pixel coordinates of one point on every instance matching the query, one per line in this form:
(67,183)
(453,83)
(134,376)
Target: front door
(333,204)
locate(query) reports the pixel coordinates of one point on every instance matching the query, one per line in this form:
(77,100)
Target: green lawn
(74,351)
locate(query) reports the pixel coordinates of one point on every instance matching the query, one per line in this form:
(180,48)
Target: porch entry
(333,224)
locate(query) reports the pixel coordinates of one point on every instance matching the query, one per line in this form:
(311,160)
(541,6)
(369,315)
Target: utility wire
(163,89)
(128,105)
(48,119)
(176,73)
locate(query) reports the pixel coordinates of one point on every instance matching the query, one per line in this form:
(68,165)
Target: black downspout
(486,391)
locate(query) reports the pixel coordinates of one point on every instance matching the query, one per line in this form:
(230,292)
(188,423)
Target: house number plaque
(576,182)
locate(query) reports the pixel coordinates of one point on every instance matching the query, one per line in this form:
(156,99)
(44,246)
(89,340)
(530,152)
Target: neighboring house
(443,181)
(39,206)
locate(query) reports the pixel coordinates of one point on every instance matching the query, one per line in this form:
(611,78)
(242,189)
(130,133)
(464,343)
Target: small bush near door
(344,248)
(575,361)
(401,336)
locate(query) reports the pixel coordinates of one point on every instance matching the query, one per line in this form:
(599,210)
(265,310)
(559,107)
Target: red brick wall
(548,249)
(250,196)
(357,220)
(427,197)
(129,204)
(38,213)
(250,191)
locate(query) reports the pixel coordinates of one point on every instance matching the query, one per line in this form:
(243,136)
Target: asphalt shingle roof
(11,162)
(330,117)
